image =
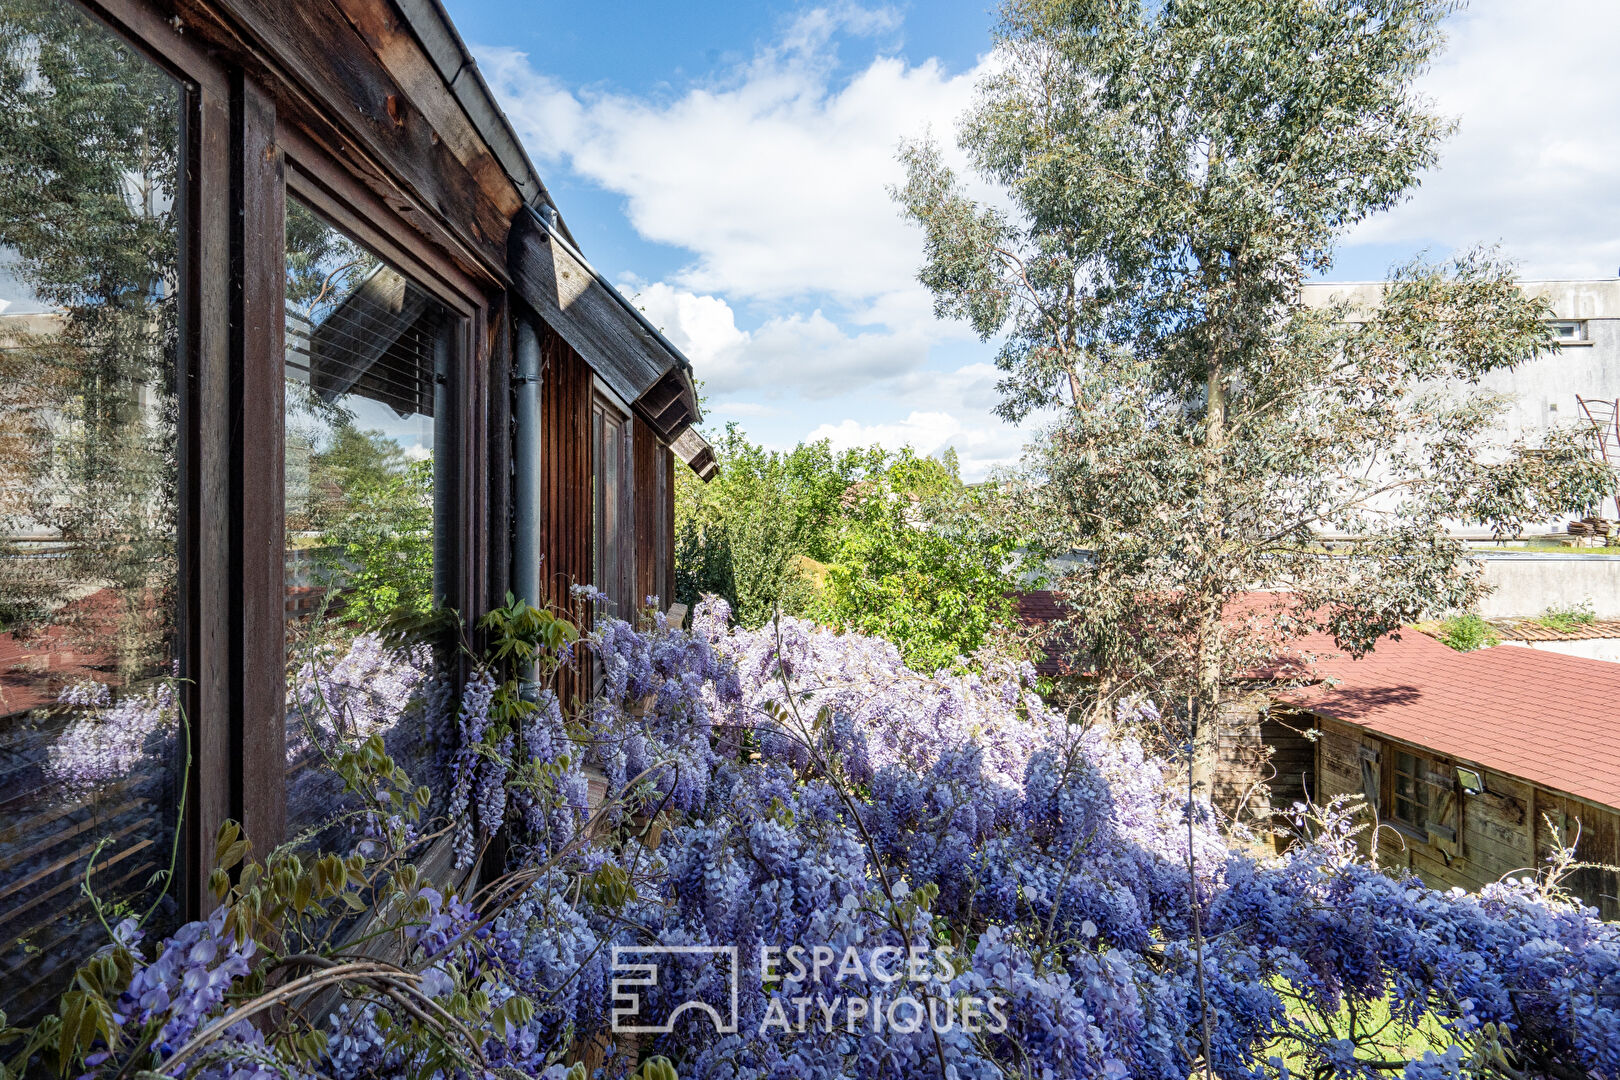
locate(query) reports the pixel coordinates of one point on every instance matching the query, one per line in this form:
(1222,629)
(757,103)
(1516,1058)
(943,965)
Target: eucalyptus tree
(1166,175)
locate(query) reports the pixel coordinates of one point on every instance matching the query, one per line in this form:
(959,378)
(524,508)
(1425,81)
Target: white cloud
(806,353)
(774,178)
(1535,163)
(813,359)
(980,447)
(740,409)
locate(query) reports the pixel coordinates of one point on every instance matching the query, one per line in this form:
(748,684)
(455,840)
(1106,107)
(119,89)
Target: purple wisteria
(107,740)
(471,765)
(788,790)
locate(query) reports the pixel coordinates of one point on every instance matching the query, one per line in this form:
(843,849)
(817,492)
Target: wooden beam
(328,78)
(259,737)
(693,449)
(397,48)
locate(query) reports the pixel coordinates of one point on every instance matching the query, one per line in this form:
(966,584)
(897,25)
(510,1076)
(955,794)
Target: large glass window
(367,386)
(90,729)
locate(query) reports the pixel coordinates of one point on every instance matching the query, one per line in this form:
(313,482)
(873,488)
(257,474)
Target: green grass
(1381,1035)
(1549,546)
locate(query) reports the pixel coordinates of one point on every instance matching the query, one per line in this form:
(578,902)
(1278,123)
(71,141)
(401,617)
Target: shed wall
(1500,833)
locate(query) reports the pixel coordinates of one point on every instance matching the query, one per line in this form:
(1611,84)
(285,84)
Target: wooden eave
(629,355)
(386,88)
(694,449)
(353,79)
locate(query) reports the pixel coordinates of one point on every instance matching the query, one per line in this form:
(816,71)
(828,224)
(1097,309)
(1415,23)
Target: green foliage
(1465,633)
(916,560)
(375,516)
(1565,619)
(527,647)
(323,265)
(887,544)
(1175,173)
(743,535)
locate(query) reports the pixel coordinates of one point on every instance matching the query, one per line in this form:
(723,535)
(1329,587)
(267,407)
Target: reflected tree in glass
(363,378)
(90,160)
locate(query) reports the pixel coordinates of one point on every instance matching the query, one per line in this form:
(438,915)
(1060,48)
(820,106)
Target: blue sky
(726,164)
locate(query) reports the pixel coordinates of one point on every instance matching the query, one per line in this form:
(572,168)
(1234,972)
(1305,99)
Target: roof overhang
(695,450)
(630,354)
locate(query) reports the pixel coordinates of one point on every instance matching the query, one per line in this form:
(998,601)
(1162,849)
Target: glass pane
(90,759)
(366,377)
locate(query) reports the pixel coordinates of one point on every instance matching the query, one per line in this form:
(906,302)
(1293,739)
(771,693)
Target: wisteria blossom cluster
(107,740)
(187,980)
(794,788)
(344,692)
(472,769)
(905,718)
(361,690)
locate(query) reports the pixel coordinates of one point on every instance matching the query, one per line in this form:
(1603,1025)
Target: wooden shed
(292,335)
(1477,763)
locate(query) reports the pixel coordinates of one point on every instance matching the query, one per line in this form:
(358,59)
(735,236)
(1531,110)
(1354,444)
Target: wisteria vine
(793,794)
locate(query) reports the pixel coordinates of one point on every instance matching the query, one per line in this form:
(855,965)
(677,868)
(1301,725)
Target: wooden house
(290,330)
(1477,764)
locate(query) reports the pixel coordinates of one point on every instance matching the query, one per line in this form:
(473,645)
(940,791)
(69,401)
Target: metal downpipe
(526,467)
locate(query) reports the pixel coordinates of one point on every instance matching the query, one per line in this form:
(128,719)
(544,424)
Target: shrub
(919,561)
(790,786)
(1465,633)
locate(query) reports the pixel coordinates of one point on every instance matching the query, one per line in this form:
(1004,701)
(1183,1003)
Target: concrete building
(1586,322)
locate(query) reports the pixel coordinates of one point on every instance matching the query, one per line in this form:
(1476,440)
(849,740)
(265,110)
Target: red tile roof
(1035,609)
(1530,630)
(1541,716)
(1547,718)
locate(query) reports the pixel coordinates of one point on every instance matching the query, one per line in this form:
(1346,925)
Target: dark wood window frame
(242,161)
(1410,799)
(1431,776)
(205,382)
(325,187)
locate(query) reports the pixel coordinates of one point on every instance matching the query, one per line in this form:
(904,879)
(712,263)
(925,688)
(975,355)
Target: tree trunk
(1211,604)
(1206,743)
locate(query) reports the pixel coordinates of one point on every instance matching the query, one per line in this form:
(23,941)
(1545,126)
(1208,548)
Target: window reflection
(366,380)
(89,267)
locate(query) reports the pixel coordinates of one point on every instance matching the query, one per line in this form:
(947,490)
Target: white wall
(1530,583)
(1592,648)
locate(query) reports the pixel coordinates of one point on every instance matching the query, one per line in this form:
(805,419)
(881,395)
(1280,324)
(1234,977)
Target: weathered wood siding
(565,472)
(1267,760)
(1500,833)
(1594,832)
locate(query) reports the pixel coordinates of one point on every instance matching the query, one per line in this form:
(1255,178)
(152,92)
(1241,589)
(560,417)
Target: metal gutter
(526,467)
(449,55)
(433,28)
